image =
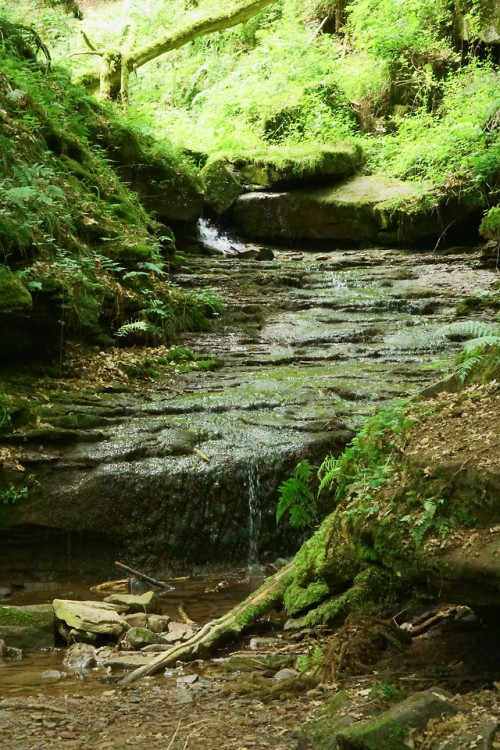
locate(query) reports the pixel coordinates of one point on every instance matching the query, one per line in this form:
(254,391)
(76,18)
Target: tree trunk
(109,79)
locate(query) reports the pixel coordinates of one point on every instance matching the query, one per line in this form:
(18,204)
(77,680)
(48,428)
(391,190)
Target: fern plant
(480,356)
(297,498)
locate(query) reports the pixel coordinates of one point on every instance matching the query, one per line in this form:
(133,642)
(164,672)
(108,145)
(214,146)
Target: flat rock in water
(391,728)
(93,617)
(147,602)
(128,661)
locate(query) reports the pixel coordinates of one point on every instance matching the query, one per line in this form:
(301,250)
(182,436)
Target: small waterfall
(215,239)
(254,512)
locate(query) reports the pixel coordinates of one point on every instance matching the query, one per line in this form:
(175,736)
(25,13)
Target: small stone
(158,623)
(286,674)
(258,643)
(137,620)
(51,675)
(140,637)
(187,679)
(183,696)
(80,656)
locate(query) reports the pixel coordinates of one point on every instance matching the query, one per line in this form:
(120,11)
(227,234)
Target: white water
(213,238)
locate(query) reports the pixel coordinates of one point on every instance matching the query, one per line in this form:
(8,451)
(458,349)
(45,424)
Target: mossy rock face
(490,225)
(222,185)
(15,300)
(15,311)
(164,184)
(29,627)
(375,209)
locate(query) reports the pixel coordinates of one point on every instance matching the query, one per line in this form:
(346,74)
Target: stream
(311,343)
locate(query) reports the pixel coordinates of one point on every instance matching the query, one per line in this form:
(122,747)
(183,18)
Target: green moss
(14,297)
(31,616)
(490,225)
(222,186)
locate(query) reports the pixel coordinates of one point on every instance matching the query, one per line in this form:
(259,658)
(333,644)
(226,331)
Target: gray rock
(254,662)
(128,661)
(390,729)
(140,637)
(80,656)
(183,696)
(286,674)
(137,620)
(51,675)
(258,643)
(158,623)
(147,602)
(479,738)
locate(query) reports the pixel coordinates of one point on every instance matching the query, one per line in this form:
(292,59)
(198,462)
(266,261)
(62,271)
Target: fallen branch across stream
(232,623)
(144,577)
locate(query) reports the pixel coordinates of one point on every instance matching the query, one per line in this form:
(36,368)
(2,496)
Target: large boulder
(362,209)
(227,175)
(30,627)
(100,618)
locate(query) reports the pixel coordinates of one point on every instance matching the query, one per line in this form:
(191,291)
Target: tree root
(232,623)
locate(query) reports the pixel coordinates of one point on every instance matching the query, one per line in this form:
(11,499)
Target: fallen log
(238,619)
(144,577)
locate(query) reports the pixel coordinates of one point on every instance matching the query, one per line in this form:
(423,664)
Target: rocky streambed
(185,473)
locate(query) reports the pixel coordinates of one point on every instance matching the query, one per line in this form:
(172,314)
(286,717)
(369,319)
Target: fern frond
(464,369)
(482,342)
(475,328)
(136,326)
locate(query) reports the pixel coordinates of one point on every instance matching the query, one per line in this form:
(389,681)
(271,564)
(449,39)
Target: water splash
(213,238)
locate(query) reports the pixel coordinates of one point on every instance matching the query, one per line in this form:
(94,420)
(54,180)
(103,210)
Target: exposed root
(359,644)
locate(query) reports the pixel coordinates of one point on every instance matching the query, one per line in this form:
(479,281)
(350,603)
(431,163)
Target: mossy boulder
(374,209)
(15,300)
(391,729)
(227,175)
(490,225)
(222,185)
(29,627)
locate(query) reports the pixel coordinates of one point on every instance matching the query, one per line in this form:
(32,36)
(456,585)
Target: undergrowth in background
(395,75)
(79,255)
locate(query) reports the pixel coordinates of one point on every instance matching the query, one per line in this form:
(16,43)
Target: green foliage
(365,463)
(13,495)
(297,498)
(479,360)
(308,662)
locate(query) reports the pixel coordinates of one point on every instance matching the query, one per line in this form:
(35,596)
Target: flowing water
(310,343)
